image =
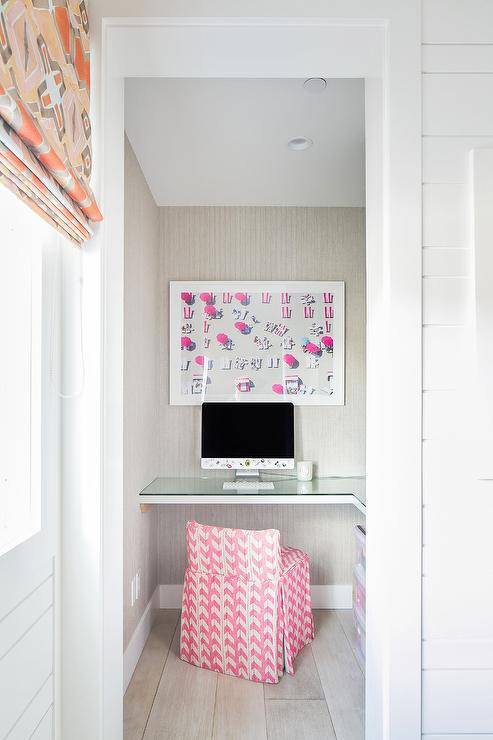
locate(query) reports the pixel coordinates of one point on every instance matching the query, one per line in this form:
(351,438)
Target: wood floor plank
(305,684)
(145,680)
(184,705)
(349,724)
(341,676)
(298,720)
(186,702)
(239,712)
(345,617)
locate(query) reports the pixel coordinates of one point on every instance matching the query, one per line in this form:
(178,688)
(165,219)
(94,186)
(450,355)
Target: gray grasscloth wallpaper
(272,244)
(140,386)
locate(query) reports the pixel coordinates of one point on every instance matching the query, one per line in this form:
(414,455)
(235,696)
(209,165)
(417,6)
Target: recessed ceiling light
(298,143)
(315,84)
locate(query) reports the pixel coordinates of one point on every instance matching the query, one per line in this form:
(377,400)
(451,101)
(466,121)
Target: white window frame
(379,41)
(33,551)
(20,228)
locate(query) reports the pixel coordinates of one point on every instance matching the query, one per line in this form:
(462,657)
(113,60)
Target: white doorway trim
(381,44)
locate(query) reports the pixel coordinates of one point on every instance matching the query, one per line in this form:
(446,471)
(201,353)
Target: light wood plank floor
(169,699)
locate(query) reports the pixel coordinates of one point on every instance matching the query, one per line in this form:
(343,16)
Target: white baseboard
(332,597)
(323,597)
(138,640)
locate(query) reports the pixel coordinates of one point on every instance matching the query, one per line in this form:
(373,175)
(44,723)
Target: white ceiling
(224,141)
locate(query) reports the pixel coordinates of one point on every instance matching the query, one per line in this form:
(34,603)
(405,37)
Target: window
(22,235)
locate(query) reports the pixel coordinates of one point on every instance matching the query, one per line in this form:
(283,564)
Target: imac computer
(248,437)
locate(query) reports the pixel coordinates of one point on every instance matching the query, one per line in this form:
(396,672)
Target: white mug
(304,470)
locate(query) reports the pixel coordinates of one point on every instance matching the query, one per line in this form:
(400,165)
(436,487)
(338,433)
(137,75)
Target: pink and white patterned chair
(246,602)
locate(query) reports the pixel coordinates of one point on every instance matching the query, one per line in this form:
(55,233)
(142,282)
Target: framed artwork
(257,341)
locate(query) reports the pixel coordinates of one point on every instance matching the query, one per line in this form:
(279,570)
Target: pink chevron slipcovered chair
(246,602)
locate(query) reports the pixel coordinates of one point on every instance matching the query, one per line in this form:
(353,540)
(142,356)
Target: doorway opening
(247,180)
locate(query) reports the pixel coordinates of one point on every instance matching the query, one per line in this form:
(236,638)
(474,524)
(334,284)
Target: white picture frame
(291,346)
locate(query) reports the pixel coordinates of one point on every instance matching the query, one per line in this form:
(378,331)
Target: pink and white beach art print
(257,341)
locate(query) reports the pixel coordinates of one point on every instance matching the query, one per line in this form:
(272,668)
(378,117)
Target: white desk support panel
(208,489)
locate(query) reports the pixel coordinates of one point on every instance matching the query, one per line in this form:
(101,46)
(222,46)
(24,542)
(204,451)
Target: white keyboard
(248,485)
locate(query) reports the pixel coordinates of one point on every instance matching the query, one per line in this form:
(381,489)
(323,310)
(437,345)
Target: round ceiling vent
(315,85)
(299,143)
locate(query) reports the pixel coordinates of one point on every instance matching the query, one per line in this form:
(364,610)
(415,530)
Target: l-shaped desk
(208,489)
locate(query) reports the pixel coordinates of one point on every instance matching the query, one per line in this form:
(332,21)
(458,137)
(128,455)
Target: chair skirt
(252,629)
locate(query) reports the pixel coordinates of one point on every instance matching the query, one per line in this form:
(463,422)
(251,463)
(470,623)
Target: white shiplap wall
(26,653)
(458,509)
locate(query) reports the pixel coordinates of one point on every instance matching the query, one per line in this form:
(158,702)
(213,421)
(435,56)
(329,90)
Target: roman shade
(45,129)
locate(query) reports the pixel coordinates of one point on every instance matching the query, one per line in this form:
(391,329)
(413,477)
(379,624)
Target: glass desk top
(287,489)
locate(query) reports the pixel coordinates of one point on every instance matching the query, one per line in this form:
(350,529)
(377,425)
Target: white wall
(142,295)
(458,509)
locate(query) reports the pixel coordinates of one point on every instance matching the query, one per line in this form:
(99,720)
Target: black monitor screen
(248,430)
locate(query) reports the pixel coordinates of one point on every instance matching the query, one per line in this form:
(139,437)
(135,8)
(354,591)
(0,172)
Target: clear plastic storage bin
(360,626)
(360,536)
(359,588)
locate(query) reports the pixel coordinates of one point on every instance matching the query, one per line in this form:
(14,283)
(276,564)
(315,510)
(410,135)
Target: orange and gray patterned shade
(45,130)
